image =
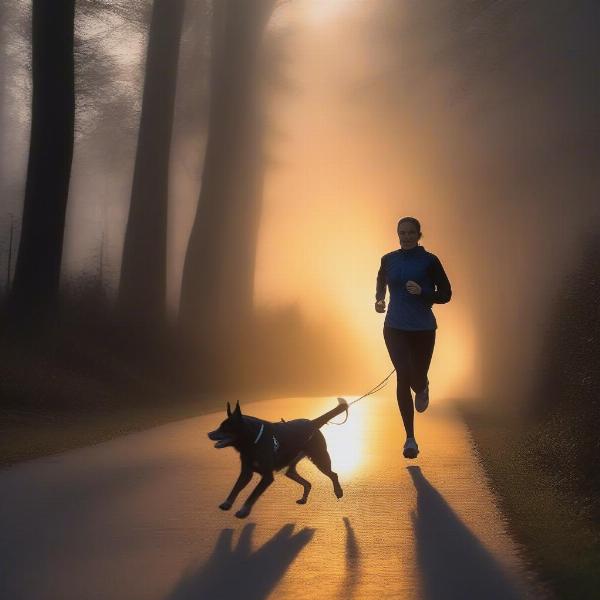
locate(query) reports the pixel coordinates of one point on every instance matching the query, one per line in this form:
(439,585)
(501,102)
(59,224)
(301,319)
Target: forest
(195,194)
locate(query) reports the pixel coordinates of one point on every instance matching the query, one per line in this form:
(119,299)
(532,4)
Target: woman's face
(408,235)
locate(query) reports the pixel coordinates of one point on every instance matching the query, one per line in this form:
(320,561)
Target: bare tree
(35,289)
(142,291)
(217,286)
(2,102)
(2,69)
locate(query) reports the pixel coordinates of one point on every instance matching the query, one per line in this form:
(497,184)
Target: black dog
(265,447)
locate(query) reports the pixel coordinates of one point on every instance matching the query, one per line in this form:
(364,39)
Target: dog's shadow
(238,572)
(350,583)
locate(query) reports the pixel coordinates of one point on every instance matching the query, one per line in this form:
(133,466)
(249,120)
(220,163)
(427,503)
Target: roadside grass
(57,394)
(547,513)
(88,375)
(90,379)
(25,436)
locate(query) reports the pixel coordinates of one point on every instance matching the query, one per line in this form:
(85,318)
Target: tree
(218,277)
(142,290)
(35,289)
(2,103)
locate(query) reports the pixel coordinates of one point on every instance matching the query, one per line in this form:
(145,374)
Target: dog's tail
(334,412)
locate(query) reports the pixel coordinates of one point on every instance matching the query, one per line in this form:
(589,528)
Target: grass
(553,519)
(25,436)
(87,375)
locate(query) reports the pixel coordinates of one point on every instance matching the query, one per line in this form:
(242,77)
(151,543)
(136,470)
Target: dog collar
(262,426)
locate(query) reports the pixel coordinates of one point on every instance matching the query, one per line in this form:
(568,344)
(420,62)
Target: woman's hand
(413,287)
(380,306)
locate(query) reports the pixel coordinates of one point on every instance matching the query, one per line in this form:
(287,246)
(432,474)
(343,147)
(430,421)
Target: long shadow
(453,563)
(46,507)
(353,564)
(231,573)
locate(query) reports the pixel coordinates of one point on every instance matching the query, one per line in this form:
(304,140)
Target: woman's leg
(421,345)
(398,347)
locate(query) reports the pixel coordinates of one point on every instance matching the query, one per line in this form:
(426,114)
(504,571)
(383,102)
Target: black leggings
(411,353)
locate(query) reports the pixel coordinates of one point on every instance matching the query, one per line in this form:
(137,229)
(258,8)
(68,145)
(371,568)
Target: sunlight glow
(346,444)
(455,369)
(322,11)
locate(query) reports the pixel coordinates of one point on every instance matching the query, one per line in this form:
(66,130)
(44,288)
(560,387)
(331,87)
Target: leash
(373,390)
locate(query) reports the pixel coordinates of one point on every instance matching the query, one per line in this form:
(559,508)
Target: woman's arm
(381,283)
(380,290)
(442,291)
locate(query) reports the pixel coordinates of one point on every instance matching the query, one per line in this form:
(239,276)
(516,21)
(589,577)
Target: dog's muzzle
(223,440)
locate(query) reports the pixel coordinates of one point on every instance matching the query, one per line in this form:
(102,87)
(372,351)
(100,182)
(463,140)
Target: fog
(480,119)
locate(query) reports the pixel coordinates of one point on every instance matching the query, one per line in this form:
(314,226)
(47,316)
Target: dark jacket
(412,312)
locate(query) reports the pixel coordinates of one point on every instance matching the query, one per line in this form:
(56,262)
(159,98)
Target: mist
(479,120)
(497,109)
(482,121)
(195,199)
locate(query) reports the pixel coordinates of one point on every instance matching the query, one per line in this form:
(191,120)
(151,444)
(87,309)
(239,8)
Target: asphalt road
(137,518)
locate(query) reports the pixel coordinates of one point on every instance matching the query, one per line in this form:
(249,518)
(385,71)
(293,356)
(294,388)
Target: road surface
(136,518)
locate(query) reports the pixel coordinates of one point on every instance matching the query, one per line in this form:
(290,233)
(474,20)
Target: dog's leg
(261,486)
(317,452)
(240,484)
(293,474)
(325,468)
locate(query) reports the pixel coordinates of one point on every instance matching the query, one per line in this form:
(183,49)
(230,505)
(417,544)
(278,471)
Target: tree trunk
(142,289)
(2,102)
(218,277)
(35,290)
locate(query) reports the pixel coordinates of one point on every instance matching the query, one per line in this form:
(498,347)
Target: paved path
(137,518)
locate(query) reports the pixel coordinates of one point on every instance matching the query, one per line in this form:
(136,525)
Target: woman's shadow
(452,562)
(238,572)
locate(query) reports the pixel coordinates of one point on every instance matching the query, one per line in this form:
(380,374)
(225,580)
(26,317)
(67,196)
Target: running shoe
(422,399)
(411,449)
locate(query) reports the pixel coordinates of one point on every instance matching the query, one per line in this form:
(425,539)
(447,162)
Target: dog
(266,447)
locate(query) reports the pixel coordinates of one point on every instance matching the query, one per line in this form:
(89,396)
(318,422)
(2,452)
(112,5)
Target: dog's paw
(243,512)
(301,501)
(338,491)
(225,505)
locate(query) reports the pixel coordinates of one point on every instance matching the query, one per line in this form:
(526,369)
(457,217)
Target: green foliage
(545,513)
(566,410)
(544,464)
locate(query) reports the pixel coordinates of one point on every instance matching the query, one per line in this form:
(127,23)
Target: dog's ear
(238,411)
(228,410)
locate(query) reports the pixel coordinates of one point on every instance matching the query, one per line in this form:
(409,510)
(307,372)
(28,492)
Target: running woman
(416,280)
